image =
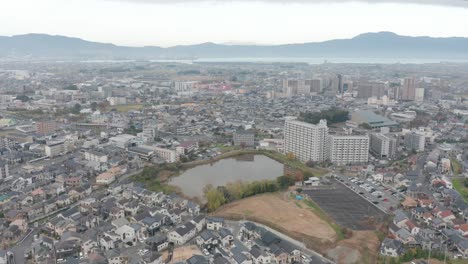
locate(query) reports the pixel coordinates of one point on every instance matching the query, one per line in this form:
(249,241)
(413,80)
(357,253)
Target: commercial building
(383,146)
(183,86)
(409,89)
(117,100)
(348,149)
(371,118)
(169,155)
(92,155)
(419,95)
(46,127)
(244,137)
(415,141)
(306,141)
(4,171)
(53,149)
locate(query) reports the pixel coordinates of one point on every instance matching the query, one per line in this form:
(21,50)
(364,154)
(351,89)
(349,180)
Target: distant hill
(368,45)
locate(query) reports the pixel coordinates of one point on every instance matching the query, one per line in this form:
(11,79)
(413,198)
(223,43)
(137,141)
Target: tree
(290,156)
(284,181)
(23,98)
(299,176)
(94,106)
(311,163)
(76,108)
(365,126)
(215,198)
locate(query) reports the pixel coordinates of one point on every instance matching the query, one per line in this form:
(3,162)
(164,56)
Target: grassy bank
(156,177)
(295,164)
(458,184)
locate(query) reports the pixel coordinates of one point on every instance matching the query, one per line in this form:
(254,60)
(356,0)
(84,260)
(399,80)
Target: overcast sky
(174,22)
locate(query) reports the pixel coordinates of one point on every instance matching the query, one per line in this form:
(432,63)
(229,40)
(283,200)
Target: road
(319,259)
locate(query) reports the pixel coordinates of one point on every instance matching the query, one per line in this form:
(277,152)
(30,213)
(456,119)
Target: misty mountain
(369,45)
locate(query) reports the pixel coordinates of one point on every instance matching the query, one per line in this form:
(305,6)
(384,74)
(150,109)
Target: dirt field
(182,253)
(296,219)
(280,211)
(362,247)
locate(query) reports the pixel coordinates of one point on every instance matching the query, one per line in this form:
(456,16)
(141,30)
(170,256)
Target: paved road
(19,249)
(319,259)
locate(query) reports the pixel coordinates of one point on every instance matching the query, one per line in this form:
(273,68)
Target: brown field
(283,213)
(182,253)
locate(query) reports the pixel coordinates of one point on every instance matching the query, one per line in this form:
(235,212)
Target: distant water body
(319,60)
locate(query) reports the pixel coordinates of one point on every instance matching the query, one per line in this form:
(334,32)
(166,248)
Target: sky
(182,22)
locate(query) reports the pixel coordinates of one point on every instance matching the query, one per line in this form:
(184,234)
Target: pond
(241,168)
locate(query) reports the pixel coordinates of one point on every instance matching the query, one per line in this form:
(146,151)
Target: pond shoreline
(163,184)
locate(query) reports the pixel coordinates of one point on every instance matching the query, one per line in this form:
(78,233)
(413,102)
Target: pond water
(241,168)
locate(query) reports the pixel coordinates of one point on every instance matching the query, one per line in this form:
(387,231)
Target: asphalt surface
(346,207)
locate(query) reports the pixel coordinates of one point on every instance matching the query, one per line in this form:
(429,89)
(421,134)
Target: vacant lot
(127,107)
(305,223)
(182,253)
(346,207)
(282,213)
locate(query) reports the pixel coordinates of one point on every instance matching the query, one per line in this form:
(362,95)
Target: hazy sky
(172,22)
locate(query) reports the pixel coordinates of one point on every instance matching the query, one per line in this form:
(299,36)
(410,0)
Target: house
(400,218)
(152,259)
(105,178)
(207,239)
(404,236)
(214,223)
(157,243)
(391,247)
(259,256)
(199,222)
(197,259)
(411,226)
(462,247)
(446,216)
(463,230)
(226,237)
(182,234)
(68,248)
(130,234)
(241,258)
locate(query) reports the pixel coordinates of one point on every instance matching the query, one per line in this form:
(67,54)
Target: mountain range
(368,45)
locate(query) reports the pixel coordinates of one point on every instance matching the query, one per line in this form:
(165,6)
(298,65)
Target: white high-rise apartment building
(306,141)
(415,141)
(348,149)
(383,146)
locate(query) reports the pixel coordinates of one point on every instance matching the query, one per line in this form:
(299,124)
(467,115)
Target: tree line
(218,196)
(332,115)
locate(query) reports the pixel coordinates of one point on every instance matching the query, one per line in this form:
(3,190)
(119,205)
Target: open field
(460,187)
(347,208)
(303,223)
(182,253)
(127,107)
(277,210)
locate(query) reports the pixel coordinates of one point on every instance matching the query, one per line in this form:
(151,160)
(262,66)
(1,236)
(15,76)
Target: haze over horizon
(169,23)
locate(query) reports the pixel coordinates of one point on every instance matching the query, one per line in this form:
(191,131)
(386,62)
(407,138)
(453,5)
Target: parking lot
(346,207)
(384,197)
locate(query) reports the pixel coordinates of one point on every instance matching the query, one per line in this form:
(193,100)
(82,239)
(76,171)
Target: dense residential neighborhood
(94,160)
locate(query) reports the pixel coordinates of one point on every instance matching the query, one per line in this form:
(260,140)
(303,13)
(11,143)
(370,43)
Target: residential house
(214,223)
(391,247)
(182,234)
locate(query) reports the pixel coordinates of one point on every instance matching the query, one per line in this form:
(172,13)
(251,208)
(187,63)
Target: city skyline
(159,23)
